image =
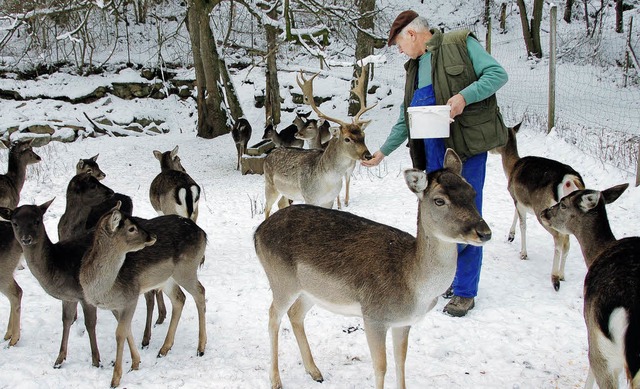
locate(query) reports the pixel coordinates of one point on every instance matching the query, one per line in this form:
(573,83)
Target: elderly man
(453,69)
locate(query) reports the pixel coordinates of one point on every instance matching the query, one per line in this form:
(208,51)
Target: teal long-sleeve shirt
(491,77)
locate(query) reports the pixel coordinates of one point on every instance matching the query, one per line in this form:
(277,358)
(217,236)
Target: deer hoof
(555,280)
(511,237)
(524,256)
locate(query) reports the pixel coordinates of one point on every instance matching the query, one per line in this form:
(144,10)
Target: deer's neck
(594,239)
(436,260)
(100,268)
(509,157)
(17,172)
(334,158)
(40,258)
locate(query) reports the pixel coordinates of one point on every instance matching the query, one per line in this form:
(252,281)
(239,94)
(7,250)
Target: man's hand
(375,161)
(457,104)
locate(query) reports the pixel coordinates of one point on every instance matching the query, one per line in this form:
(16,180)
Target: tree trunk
(364,48)
(272,86)
(230,92)
(619,19)
(212,112)
(568,9)
(531,34)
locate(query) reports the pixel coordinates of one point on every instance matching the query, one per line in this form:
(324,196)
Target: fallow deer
(173,191)
(21,155)
(536,183)
(10,254)
(315,176)
(285,138)
(355,266)
(241,133)
(130,256)
(56,267)
(611,287)
(89,165)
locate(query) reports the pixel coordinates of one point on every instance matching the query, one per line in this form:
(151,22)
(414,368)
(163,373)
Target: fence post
(551,118)
(638,167)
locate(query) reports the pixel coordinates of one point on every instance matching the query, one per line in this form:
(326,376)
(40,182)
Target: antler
(307,90)
(358,90)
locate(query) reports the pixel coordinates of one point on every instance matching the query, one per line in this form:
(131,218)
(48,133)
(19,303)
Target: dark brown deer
(611,287)
(56,267)
(315,176)
(285,138)
(130,256)
(21,155)
(241,133)
(536,183)
(10,254)
(355,266)
(89,165)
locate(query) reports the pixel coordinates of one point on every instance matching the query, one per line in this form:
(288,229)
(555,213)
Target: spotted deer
(21,155)
(56,266)
(173,191)
(241,133)
(355,266)
(130,256)
(315,176)
(611,286)
(534,184)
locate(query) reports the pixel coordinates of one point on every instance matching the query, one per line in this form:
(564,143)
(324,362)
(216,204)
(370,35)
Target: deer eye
(562,206)
(347,140)
(439,202)
(132,229)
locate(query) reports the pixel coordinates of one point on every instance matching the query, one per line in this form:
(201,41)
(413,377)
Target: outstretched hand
(375,161)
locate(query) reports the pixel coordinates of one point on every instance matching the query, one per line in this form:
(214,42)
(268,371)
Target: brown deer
(89,165)
(10,254)
(173,191)
(285,138)
(315,176)
(355,266)
(21,155)
(241,133)
(56,267)
(130,256)
(611,287)
(536,183)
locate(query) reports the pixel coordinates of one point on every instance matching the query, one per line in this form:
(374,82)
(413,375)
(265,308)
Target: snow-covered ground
(521,334)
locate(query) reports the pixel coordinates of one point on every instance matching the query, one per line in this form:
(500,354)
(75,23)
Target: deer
(130,256)
(21,155)
(315,176)
(536,183)
(173,191)
(355,266)
(611,286)
(241,133)
(284,138)
(89,165)
(10,254)
(56,268)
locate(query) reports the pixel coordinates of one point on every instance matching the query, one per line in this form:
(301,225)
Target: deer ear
(80,164)
(610,195)
(588,201)
(364,124)
(158,155)
(114,221)
(452,161)
(95,157)
(335,131)
(6,213)
(174,152)
(416,180)
(43,207)
(517,127)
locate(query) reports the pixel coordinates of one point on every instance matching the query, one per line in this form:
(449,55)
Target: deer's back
(126,207)
(169,181)
(326,250)
(9,195)
(612,281)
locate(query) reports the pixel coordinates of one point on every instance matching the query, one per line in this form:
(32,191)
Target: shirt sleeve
(491,75)
(397,135)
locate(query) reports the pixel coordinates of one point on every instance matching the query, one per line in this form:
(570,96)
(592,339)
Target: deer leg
(14,294)
(283,202)
(197,291)
(512,230)
(559,243)
(522,215)
(123,330)
(90,320)
(400,344)
(282,301)
(149,298)
(271,195)
(565,242)
(376,335)
(162,308)
(590,380)
(347,180)
(68,317)
(177,303)
(133,350)
(296,313)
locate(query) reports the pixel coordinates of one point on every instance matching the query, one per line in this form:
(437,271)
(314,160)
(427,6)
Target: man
(452,69)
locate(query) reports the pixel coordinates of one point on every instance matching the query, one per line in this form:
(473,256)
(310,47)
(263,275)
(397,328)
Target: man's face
(409,44)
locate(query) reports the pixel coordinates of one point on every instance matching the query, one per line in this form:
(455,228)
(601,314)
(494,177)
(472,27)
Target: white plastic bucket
(430,121)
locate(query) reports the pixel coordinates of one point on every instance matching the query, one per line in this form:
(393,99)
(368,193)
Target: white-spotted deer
(611,287)
(536,183)
(315,176)
(173,191)
(56,267)
(21,155)
(130,256)
(355,266)
(241,133)
(10,254)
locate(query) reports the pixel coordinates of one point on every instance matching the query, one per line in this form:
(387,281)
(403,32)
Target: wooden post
(638,167)
(503,17)
(488,35)
(627,60)
(551,119)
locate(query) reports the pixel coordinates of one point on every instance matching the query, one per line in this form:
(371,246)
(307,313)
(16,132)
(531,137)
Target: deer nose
(26,240)
(484,232)
(367,156)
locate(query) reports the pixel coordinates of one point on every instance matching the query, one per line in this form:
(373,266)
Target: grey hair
(419,24)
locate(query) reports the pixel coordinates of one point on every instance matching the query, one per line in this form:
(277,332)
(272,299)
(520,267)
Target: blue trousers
(465,283)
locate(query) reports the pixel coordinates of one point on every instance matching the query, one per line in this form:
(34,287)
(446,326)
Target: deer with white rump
(611,287)
(355,266)
(536,183)
(315,176)
(130,256)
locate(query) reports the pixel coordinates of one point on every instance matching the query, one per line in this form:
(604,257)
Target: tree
(568,11)
(531,33)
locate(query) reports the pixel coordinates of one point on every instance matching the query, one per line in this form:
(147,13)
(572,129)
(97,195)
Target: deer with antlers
(315,176)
